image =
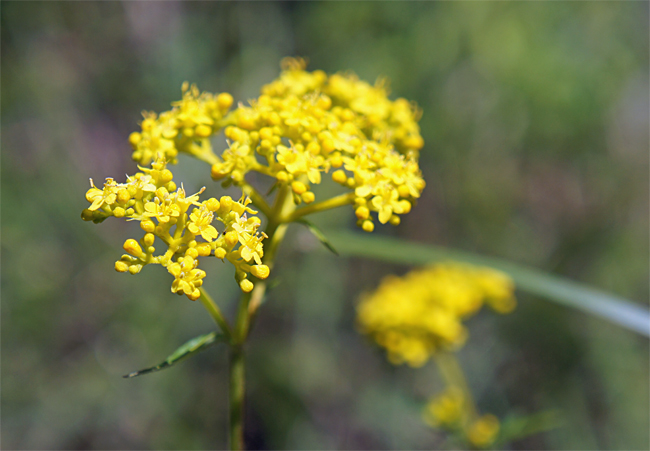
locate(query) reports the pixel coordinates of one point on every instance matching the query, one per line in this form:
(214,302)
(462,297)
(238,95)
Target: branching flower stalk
(420,317)
(303,125)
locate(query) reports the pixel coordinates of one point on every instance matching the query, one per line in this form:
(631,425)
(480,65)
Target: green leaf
(318,234)
(554,288)
(518,427)
(194,346)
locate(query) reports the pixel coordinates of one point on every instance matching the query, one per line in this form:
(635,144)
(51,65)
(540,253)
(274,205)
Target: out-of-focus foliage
(536,130)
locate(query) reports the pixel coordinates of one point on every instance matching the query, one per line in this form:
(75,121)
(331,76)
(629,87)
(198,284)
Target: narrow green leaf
(318,234)
(193,346)
(518,427)
(554,288)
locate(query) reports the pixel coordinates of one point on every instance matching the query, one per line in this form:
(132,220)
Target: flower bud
(132,247)
(403,191)
(166,176)
(192,252)
(225,204)
(246,285)
(149,239)
(134,269)
(260,271)
(203,131)
(87,215)
(368,226)
(362,212)
(212,204)
(224,100)
(298,187)
(123,196)
(203,249)
(231,238)
(134,138)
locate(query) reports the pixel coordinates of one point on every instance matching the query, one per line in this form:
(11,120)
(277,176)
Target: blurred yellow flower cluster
(302,125)
(447,409)
(452,411)
(416,315)
(163,209)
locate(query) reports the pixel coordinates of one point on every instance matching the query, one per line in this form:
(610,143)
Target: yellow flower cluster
(415,315)
(446,410)
(167,213)
(449,410)
(484,431)
(185,128)
(302,125)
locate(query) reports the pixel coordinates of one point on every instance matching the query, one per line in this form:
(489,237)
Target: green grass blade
(554,288)
(516,427)
(193,346)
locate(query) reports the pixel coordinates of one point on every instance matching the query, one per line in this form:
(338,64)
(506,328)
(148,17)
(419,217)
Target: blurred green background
(536,129)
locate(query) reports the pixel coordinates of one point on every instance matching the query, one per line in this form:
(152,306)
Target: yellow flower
(140,185)
(446,409)
(163,207)
(386,202)
(250,241)
(484,431)
(298,162)
(200,223)
(414,316)
(106,196)
(188,279)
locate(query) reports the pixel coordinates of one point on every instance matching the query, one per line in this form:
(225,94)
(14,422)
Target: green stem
(215,313)
(275,232)
(237,390)
(453,376)
(257,199)
(279,216)
(338,201)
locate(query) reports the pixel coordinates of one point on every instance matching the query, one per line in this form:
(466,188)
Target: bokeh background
(536,129)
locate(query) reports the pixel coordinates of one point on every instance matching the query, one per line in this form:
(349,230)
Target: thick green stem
(275,231)
(279,216)
(237,390)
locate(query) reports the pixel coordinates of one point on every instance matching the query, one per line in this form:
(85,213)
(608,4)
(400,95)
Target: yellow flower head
(185,128)
(484,431)
(415,315)
(177,220)
(445,410)
(302,125)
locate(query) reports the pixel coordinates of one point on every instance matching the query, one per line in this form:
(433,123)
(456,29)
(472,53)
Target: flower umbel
(416,315)
(151,197)
(302,125)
